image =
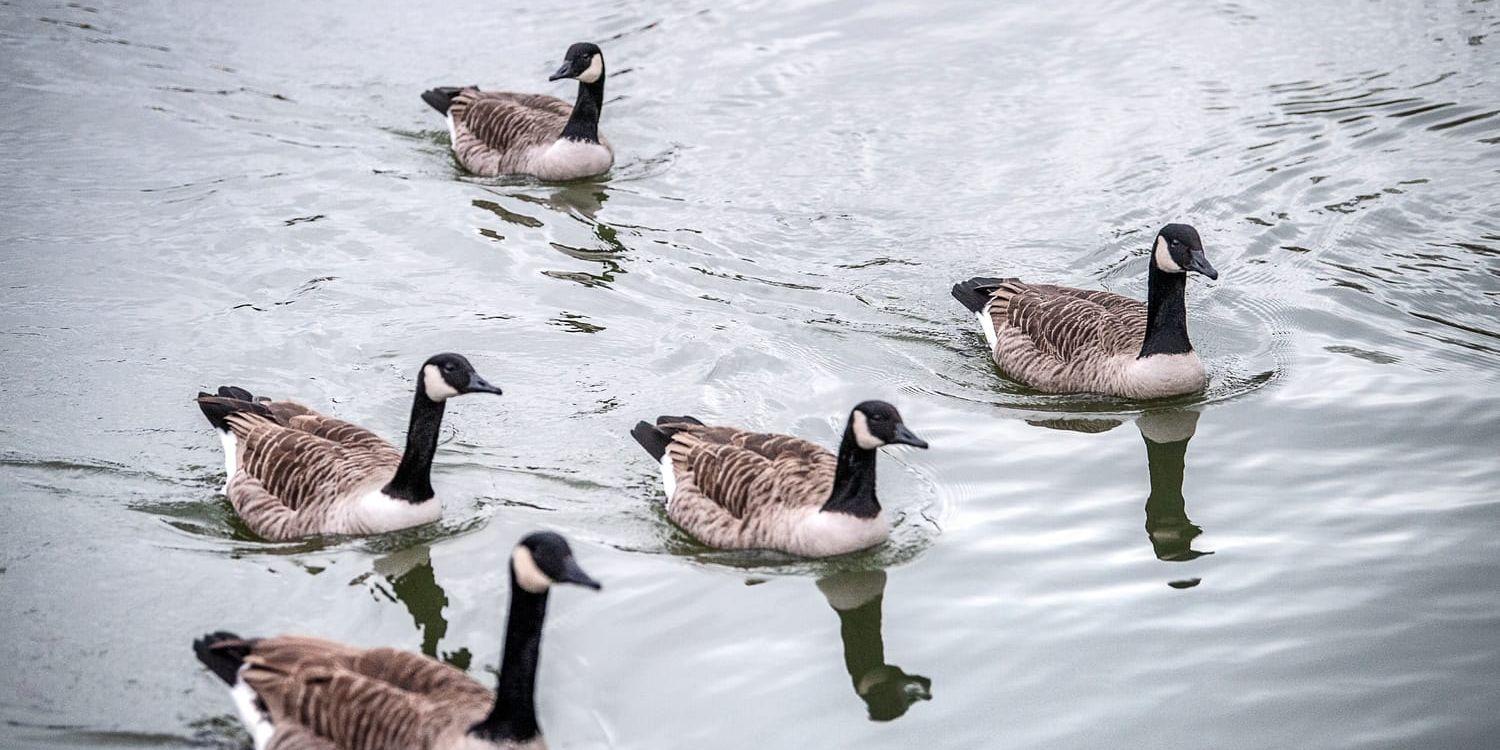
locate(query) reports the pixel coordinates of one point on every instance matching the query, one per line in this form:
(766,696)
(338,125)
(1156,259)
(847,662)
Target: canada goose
(1063,340)
(735,489)
(302,693)
(499,132)
(292,472)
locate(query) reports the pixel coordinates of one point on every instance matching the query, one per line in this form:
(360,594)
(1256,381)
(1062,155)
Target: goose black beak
(480,385)
(1198,262)
(566,71)
(907,437)
(575,575)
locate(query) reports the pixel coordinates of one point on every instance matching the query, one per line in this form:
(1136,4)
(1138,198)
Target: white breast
(1162,375)
(822,534)
(567,159)
(374,512)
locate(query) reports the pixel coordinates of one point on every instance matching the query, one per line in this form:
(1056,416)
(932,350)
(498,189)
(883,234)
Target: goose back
(322,694)
(497,133)
(736,489)
(1064,340)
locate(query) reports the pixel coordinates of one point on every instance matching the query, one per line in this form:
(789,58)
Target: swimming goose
(301,693)
(292,472)
(735,489)
(499,132)
(1062,340)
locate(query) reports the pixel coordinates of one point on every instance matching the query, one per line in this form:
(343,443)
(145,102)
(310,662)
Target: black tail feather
(974,294)
(653,440)
(223,653)
(441,97)
(231,399)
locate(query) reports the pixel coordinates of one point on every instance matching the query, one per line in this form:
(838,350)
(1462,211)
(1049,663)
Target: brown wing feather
(493,129)
(303,469)
(1071,325)
(739,470)
(358,698)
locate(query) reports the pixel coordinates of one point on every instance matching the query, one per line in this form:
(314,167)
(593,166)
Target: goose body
(735,489)
(292,472)
(503,133)
(1059,339)
(303,693)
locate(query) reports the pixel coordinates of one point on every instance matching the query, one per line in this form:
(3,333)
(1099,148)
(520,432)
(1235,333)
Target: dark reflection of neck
(418,589)
(1167,524)
(887,691)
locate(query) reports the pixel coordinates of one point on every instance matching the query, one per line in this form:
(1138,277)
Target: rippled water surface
(1305,555)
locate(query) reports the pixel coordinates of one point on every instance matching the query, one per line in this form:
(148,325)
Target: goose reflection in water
(409,579)
(1167,524)
(1166,433)
(886,690)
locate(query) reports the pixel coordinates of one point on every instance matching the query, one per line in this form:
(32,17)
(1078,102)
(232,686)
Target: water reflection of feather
(886,690)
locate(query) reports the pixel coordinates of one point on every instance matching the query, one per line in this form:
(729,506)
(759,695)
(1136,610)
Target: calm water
(1304,556)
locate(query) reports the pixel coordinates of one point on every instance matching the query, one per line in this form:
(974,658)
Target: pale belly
(820,534)
(374,512)
(570,160)
(1161,375)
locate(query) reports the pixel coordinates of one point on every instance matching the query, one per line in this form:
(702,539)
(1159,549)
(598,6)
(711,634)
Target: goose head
(1179,250)
(543,558)
(447,375)
(877,424)
(584,61)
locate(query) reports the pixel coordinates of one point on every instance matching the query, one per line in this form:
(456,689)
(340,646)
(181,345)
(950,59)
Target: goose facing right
(302,693)
(735,489)
(1057,339)
(500,132)
(292,472)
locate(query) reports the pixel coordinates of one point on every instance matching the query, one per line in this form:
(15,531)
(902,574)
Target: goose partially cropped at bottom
(301,693)
(292,472)
(499,132)
(1058,339)
(735,489)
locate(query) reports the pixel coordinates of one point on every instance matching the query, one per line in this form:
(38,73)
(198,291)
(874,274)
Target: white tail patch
(231,456)
(668,476)
(987,325)
(528,574)
(256,721)
(452,129)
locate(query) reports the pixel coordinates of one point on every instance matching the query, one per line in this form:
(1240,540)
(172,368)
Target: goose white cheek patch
(437,389)
(528,574)
(595,69)
(1164,257)
(862,434)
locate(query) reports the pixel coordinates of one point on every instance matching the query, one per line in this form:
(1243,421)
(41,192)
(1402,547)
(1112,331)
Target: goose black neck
(413,480)
(513,716)
(583,124)
(1166,314)
(854,480)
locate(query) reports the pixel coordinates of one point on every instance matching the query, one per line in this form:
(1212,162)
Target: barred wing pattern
(735,489)
(496,132)
(1061,339)
(322,691)
(291,475)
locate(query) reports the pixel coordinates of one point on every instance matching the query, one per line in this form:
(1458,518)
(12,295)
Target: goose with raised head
(500,132)
(1059,339)
(302,693)
(735,489)
(292,472)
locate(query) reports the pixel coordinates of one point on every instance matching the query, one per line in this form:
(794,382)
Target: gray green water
(194,194)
